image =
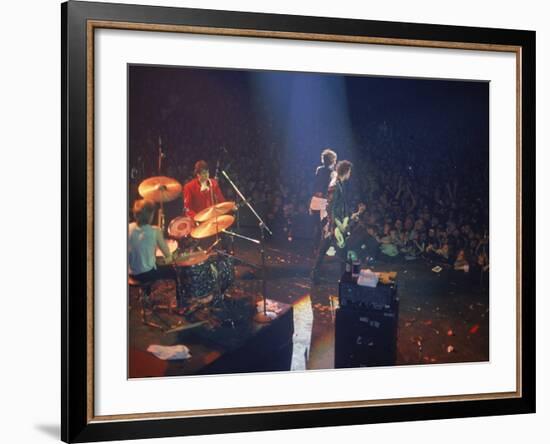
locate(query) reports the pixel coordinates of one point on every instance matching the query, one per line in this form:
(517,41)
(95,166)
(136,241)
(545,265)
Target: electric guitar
(342,229)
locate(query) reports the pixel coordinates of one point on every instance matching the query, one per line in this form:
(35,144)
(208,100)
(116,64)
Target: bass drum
(197,274)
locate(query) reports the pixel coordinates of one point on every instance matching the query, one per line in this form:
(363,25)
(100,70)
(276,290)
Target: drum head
(181,227)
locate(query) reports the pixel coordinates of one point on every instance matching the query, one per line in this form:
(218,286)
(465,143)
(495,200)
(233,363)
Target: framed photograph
(276,221)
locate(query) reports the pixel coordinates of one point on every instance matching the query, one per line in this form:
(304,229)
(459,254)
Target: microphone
(222,150)
(217,169)
(161,151)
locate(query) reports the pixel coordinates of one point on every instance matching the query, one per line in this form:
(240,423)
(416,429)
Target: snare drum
(197,274)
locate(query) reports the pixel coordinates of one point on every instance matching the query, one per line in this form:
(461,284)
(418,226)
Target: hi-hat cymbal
(160,189)
(212,226)
(214,211)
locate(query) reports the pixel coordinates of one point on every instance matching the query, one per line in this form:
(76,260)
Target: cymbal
(160,189)
(212,226)
(214,211)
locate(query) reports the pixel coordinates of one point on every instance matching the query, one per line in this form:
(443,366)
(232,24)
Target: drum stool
(144,293)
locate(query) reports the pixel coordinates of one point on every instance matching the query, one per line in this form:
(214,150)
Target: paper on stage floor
(171,352)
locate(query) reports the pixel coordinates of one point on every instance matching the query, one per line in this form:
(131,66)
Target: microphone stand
(161,156)
(161,207)
(231,254)
(221,155)
(263,316)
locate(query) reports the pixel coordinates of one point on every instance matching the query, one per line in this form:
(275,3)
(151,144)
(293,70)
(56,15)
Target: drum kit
(203,272)
(199,272)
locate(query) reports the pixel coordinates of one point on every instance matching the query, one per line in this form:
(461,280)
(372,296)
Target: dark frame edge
(74,420)
(64,223)
(74,335)
(528,211)
(144,429)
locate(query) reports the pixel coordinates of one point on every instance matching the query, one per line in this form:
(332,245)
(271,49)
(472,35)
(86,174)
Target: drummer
(143,240)
(202,191)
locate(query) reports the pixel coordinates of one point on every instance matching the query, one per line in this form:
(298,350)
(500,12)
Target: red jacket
(195,200)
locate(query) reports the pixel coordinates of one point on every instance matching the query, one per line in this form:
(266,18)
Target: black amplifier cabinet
(352,295)
(366,337)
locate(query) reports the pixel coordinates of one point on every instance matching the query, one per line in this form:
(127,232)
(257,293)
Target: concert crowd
(421,202)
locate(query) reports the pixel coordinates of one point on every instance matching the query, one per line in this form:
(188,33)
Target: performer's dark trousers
(317,228)
(341,254)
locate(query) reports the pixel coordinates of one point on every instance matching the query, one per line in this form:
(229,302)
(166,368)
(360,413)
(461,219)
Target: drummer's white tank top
(142,244)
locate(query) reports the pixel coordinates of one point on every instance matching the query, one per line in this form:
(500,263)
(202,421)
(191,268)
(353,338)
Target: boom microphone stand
(264,316)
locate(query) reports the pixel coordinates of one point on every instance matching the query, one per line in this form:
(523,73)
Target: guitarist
(324,174)
(337,213)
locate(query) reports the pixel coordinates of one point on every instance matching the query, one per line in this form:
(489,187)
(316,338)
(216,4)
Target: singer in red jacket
(202,191)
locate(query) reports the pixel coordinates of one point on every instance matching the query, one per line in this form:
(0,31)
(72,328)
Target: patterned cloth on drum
(198,275)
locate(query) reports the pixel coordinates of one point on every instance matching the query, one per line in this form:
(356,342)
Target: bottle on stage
(355,268)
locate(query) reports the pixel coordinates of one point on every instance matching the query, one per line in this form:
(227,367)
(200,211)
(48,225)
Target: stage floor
(443,317)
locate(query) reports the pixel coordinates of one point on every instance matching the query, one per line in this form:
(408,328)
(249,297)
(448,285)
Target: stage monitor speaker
(366,337)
